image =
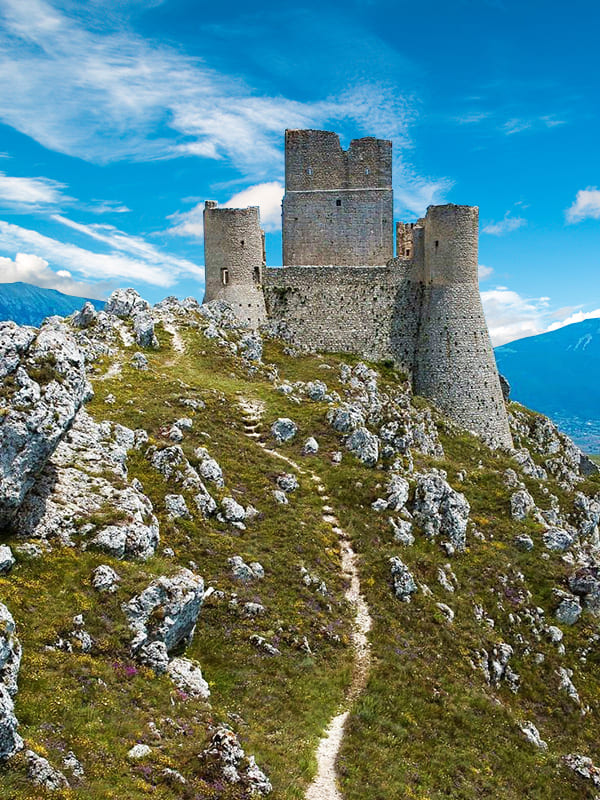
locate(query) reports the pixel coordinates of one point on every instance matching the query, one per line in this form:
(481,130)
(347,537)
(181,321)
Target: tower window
(224,276)
(242,242)
(338,202)
(309,171)
(256,274)
(367,171)
(437,243)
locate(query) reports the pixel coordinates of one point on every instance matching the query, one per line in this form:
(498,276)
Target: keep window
(224,276)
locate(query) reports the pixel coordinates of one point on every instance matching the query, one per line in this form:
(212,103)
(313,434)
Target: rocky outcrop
(227,755)
(44,385)
(441,511)
(84,488)
(164,615)
(10,661)
(174,466)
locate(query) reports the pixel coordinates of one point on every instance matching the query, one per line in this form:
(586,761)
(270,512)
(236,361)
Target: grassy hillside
(427,725)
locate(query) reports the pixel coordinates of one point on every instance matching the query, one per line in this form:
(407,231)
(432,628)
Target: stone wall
(339,309)
(234,260)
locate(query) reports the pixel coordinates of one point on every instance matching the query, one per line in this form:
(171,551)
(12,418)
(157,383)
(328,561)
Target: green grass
(426,726)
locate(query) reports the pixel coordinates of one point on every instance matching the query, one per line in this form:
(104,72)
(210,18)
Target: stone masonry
(341,290)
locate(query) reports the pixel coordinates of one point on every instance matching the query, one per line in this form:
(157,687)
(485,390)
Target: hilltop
(555,373)
(30,305)
(203,524)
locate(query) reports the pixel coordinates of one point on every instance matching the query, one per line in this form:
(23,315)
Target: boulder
(10,741)
(287,482)
(311,446)
(403,582)
(226,752)
(364,445)
(346,418)
(440,510)
(251,347)
(143,330)
(557,540)
(176,507)
(7,560)
(245,572)
(166,611)
(42,773)
(125,303)
(187,676)
(105,579)
(284,429)
(521,504)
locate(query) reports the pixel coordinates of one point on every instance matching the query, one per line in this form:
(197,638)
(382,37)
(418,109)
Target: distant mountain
(558,373)
(29,305)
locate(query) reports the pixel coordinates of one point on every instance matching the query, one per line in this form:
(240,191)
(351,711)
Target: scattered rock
(125,303)
(440,510)
(7,560)
(245,572)
(532,735)
(364,445)
(403,582)
(42,773)
(584,767)
(208,468)
(176,507)
(187,676)
(226,752)
(139,361)
(522,504)
(10,741)
(402,531)
(557,540)
(139,751)
(105,579)
(284,430)
(287,482)
(166,611)
(311,446)
(264,645)
(524,542)
(569,610)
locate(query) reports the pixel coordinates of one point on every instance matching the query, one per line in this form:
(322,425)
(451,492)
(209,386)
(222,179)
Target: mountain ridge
(27,304)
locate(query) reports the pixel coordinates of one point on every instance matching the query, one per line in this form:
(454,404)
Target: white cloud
(30,191)
(130,258)
(412,195)
(484,272)
(506,225)
(267,196)
(578,316)
(585,206)
(35,270)
(516,125)
(510,316)
(112,92)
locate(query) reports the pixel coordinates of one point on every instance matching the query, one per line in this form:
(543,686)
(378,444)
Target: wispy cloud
(510,316)
(585,206)
(520,124)
(35,270)
(505,225)
(130,258)
(30,192)
(484,272)
(116,95)
(472,117)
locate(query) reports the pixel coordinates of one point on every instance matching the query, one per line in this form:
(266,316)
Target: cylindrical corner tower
(234,257)
(454,363)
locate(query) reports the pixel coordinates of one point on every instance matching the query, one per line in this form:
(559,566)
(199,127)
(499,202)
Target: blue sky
(118,118)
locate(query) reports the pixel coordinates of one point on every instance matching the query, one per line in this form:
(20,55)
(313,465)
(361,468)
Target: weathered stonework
(341,290)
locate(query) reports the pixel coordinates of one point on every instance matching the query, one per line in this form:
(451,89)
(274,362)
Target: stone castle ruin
(341,289)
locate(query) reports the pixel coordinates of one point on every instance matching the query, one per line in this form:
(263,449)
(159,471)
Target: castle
(342,289)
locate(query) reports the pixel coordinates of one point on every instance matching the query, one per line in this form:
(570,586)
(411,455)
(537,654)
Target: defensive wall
(341,290)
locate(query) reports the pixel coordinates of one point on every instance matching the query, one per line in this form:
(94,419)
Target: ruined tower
(338,205)
(454,362)
(234,257)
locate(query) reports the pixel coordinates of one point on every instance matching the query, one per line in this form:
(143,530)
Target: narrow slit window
(338,202)
(224,276)
(256,274)
(437,243)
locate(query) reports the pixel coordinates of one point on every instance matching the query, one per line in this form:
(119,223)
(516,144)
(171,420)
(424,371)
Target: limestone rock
(403,582)
(584,767)
(586,584)
(397,492)
(42,773)
(345,418)
(187,676)
(105,579)
(176,507)
(364,445)
(311,446)
(10,741)
(10,651)
(532,735)
(245,572)
(139,751)
(208,468)
(557,540)
(316,390)
(232,511)
(284,429)
(139,361)
(521,504)
(173,465)
(440,510)
(143,329)
(226,752)
(85,316)
(125,303)
(287,482)
(7,560)
(569,610)
(166,611)
(402,531)
(47,386)
(251,347)
(524,542)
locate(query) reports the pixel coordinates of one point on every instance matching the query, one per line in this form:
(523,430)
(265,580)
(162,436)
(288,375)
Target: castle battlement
(342,290)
